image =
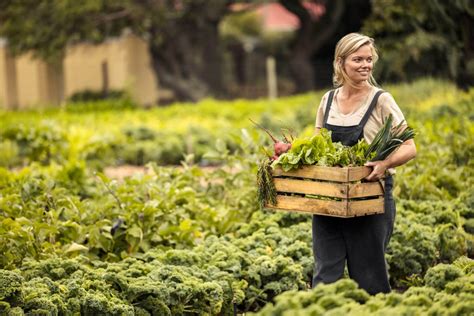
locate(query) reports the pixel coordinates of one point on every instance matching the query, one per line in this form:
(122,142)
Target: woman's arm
(402,155)
(320,114)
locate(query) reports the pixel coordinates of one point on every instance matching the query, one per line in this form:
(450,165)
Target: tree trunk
(465,78)
(175,74)
(302,70)
(186,52)
(310,37)
(239,63)
(212,61)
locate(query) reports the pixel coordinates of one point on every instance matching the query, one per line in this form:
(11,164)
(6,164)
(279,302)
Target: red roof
(276,17)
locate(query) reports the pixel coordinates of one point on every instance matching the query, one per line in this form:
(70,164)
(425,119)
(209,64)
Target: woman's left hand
(378,172)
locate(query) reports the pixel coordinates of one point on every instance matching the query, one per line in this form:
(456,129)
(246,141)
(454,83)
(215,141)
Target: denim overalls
(361,241)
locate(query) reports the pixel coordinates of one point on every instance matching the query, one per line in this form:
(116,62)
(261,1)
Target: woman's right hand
(378,171)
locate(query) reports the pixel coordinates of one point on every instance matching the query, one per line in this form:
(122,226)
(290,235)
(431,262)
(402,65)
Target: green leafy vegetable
(388,139)
(320,150)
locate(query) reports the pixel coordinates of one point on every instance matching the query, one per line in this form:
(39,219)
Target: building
(120,63)
(117,64)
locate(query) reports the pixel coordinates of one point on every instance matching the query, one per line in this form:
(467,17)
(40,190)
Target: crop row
(188,241)
(102,136)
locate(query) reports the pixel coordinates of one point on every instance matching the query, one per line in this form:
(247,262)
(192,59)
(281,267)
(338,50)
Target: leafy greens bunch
(320,150)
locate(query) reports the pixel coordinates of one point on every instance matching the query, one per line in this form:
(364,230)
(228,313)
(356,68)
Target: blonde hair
(346,46)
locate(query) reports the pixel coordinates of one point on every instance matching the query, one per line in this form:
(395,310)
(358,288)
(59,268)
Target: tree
(241,32)
(317,36)
(419,38)
(182,34)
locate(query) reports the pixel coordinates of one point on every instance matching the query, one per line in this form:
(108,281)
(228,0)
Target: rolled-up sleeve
(390,106)
(321,109)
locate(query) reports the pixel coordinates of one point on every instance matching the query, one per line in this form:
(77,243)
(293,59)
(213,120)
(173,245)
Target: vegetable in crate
(320,150)
(279,146)
(388,139)
(266,192)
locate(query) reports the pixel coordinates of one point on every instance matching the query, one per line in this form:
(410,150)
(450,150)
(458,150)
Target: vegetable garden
(193,241)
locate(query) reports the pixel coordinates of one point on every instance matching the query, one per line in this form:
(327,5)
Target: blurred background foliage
(419,38)
(218,48)
(185,235)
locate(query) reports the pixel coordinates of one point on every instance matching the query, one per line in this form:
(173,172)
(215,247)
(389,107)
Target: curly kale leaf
(438,276)
(11,287)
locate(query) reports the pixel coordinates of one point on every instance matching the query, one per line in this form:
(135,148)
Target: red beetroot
(281,147)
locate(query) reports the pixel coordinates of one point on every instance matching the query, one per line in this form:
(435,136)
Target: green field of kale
(191,240)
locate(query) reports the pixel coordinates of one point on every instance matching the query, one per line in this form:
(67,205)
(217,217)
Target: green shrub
(440,275)
(44,142)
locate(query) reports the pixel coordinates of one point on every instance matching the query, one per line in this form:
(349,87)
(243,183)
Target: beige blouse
(385,105)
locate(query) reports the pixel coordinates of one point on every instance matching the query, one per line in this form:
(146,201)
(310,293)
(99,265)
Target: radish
(279,147)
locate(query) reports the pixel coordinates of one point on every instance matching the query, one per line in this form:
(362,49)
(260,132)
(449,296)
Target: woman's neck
(355,88)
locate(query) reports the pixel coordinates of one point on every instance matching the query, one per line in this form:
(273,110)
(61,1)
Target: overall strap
(328,107)
(371,108)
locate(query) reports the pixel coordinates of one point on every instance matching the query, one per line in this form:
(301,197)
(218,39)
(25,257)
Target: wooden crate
(331,191)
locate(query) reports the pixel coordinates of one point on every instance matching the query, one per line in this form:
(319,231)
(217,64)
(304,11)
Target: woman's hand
(379,170)
(403,154)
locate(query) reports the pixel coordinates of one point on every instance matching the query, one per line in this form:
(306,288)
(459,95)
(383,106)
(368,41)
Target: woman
(357,109)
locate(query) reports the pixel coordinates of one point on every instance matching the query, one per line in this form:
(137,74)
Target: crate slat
(366,207)
(341,184)
(311,187)
(326,173)
(312,206)
(365,189)
(358,173)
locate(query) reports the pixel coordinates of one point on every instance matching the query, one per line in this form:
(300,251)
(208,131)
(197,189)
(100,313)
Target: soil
(124,171)
(120,172)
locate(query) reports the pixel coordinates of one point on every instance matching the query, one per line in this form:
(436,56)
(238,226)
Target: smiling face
(358,65)
(354,59)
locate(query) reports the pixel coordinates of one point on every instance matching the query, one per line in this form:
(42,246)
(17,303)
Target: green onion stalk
(388,139)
